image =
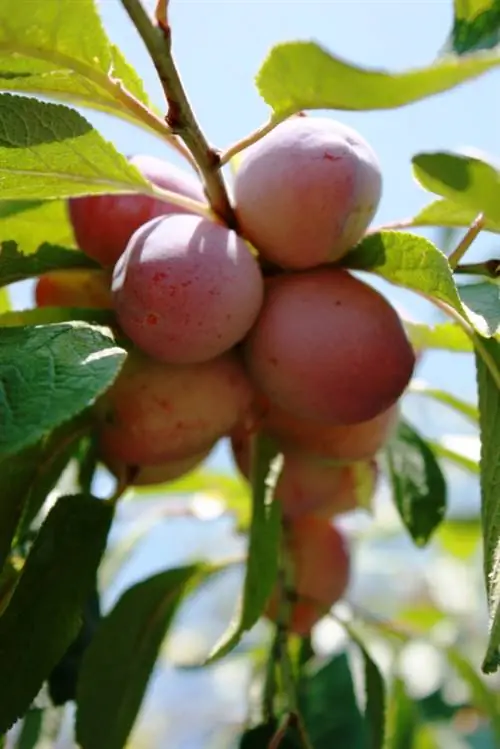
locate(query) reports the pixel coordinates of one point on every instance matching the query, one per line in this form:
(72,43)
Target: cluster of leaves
(55,363)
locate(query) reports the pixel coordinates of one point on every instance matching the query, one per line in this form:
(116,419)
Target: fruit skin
(103,224)
(186,289)
(74,288)
(155,413)
(328,347)
(162,473)
(307,191)
(321,569)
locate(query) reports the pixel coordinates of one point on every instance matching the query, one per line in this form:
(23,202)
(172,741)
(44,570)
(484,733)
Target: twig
(248,140)
(464,244)
(180,117)
(269,690)
(490,269)
(281,731)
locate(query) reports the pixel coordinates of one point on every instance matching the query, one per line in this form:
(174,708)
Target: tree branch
(489,268)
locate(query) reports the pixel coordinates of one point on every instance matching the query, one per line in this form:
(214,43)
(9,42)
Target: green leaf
(4,301)
(462,461)
(402,718)
(118,664)
(476,25)
(446,336)
(482,301)
(31,224)
(460,537)
(49,374)
(489,421)
(43,616)
(51,151)
(16,266)
(466,180)
(58,53)
(262,563)
(448,213)
(328,705)
(407,260)
(50,315)
(484,699)
(303,75)
(418,483)
(470,412)
(30,731)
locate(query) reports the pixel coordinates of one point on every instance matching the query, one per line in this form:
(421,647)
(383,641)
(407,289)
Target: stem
(180,117)
(490,269)
(281,732)
(248,140)
(466,241)
(269,690)
(193,206)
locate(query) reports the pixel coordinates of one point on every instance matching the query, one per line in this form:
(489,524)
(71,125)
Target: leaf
(448,213)
(466,180)
(4,301)
(418,483)
(51,151)
(407,260)
(56,52)
(489,422)
(50,315)
(30,731)
(118,664)
(484,699)
(476,25)
(43,616)
(482,301)
(263,546)
(442,451)
(446,336)
(470,412)
(34,223)
(303,75)
(16,266)
(48,374)
(402,720)
(328,704)
(460,537)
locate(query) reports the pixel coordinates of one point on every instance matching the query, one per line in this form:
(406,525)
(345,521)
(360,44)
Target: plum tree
(156,413)
(158,474)
(306,192)
(328,346)
(103,224)
(321,568)
(74,288)
(345,442)
(186,289)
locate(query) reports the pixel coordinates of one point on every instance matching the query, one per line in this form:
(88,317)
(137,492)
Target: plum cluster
(254,330)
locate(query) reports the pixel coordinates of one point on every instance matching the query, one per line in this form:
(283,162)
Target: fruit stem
(157,38)
(490,269)
(248,140)
(466,241)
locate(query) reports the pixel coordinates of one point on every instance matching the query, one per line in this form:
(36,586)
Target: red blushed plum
(159,474)
(310,486)
(156,413)
(103,224)
(321,567)
(74,288)
(343,443)
(186,289)
(306,192)
(329,347)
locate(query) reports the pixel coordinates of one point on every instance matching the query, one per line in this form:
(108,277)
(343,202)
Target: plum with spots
(103,224)
(329,347)
(74,288)
(320,560)
(307,191)
(155,413)
(186,289)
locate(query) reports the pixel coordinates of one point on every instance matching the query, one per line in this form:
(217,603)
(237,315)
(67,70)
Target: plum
(159,474)
(74,288)
(306,192)
(328,347)
(155,413)
(321,567)
(186,289)
(103,224)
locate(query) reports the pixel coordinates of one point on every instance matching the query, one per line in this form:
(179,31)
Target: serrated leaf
(448,213)
(446,336)
(466,180)
(56,52)
(470,412)
(263,546)
(476,26)
(48,374)
(482,301)
(483,698)
(51,151)
(16,266)
(418,483)
(33,223)
(489,421)
(303,75)
(118,664)
(43,616)
(407,260)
